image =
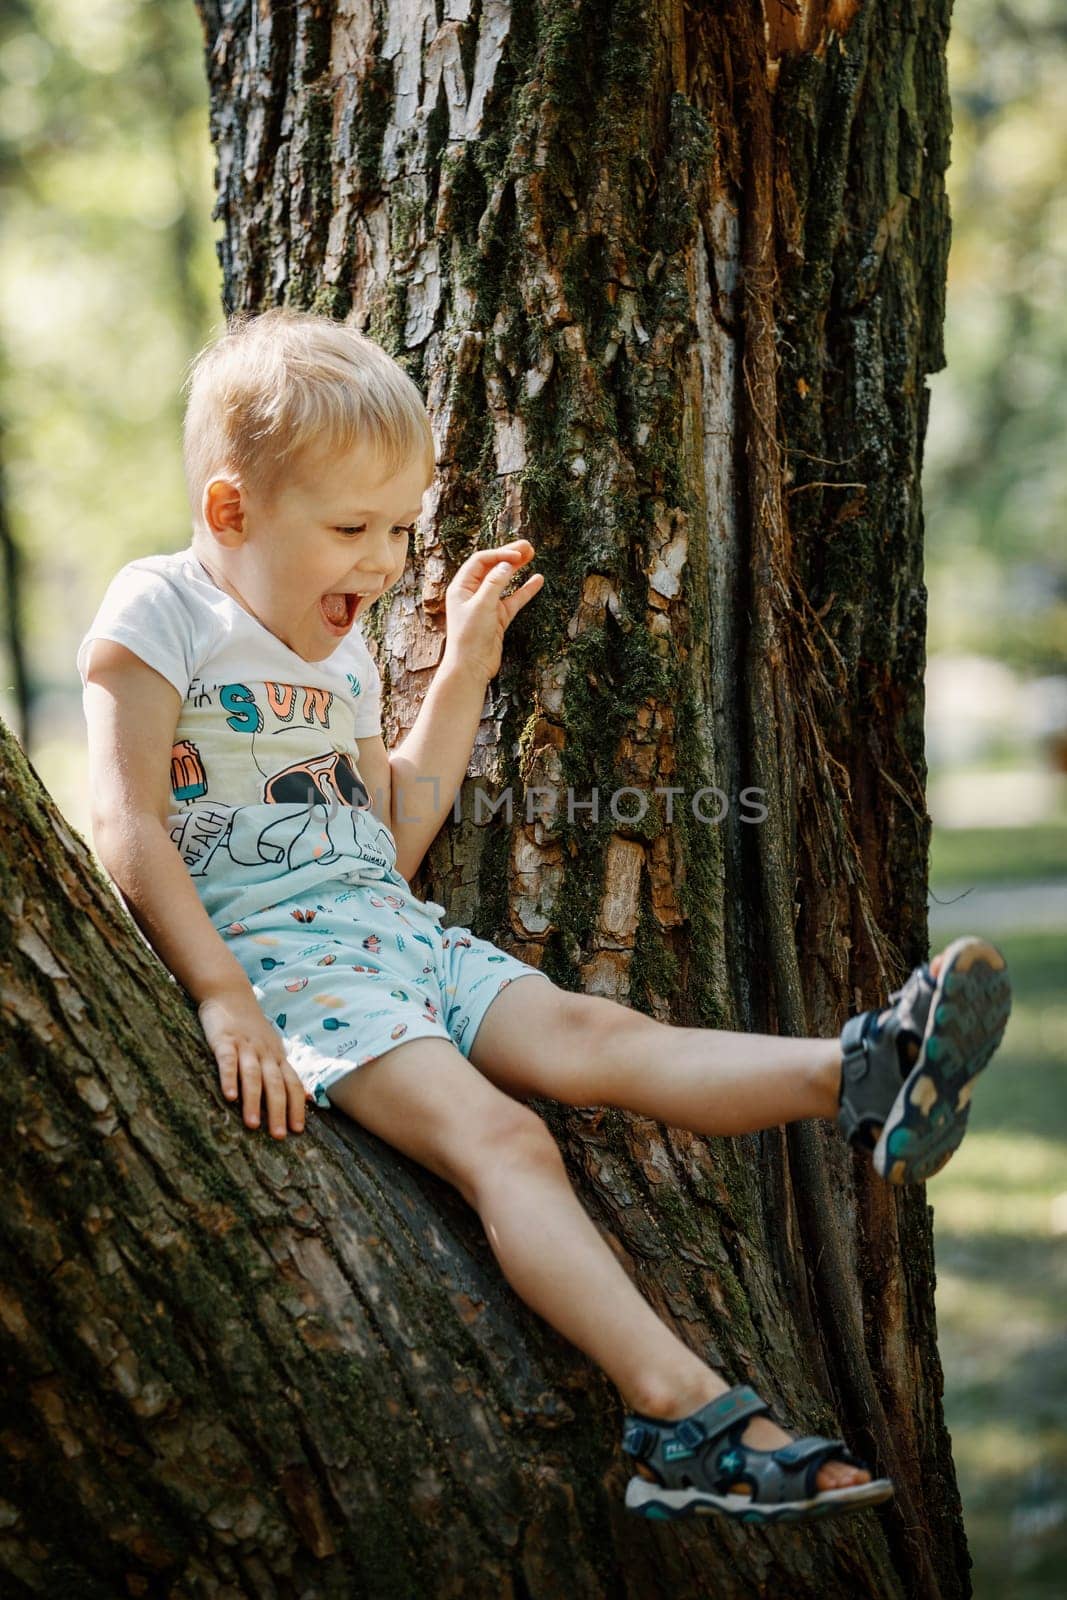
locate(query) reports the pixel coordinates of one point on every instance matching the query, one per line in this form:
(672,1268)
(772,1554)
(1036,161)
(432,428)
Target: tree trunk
(671,280)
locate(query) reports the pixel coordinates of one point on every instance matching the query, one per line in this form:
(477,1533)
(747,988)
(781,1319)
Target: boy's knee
(601,1018)
(596,1030)
(511,1136)
(578,1025)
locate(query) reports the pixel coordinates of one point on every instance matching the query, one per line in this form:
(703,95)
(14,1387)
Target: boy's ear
(224,510)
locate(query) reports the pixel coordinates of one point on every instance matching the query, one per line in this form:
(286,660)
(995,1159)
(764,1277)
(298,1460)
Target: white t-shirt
(267,799)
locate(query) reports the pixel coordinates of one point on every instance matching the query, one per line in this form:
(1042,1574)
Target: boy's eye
(400,528)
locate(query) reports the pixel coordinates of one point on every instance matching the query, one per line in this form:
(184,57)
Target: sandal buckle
(690,1432)
(639,1440)
(854,1045)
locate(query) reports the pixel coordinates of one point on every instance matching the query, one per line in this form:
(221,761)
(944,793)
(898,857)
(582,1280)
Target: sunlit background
(109,284)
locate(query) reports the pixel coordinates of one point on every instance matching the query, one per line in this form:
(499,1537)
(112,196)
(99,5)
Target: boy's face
(333,527)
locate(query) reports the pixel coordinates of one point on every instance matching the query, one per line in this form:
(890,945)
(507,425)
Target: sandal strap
(854,1044)
(871,1072)
(854,1068)
(810,1448)
(719,1416)
(642,1434)
(789,1473)
(871,1075)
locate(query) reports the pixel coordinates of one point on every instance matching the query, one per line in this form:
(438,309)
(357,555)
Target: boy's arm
(436,751)
(131,713)
(428,766)
(139,857)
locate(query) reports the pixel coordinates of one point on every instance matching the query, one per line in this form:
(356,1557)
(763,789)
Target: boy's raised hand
(475,608)
(248,1049)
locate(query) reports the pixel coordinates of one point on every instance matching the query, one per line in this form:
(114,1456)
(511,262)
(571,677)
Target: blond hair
(274,385)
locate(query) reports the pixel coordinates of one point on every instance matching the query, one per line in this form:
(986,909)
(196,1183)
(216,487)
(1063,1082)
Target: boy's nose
(372,577)
(379,560)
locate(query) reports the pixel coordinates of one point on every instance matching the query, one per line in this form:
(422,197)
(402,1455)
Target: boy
(245,805)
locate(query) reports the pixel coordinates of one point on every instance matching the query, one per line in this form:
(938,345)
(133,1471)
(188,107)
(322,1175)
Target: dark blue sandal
(698,1466)
(912,1117)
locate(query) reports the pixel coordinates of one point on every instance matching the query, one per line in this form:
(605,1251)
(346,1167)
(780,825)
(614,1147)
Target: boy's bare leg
(425,1099)
(588,1051)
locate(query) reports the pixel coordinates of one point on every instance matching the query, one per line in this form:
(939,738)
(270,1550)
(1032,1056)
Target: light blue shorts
(352,970)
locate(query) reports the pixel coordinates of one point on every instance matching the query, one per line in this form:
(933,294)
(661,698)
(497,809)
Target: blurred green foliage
(109,284)
(996,469)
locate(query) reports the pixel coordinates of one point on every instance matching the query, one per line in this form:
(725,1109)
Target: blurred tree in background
(996,469)
(108,285)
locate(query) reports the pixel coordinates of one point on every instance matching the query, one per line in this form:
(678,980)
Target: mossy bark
(671,279)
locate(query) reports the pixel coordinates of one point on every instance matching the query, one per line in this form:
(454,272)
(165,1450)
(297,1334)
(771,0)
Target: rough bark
(670,278)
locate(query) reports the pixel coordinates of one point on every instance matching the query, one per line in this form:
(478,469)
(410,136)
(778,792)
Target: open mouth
(339,610)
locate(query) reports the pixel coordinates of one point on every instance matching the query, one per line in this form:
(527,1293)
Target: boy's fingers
(294,1091)
(226,1056)
(501,575)
(274,1092)
(295,1095)
(514,550)
(516,601)
(251,1085)
(513,555)
(485,587)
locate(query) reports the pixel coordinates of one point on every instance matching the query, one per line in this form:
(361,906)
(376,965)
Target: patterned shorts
(351,971)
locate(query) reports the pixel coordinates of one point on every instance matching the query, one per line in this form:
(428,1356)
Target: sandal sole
(647,1499)
(968,1014)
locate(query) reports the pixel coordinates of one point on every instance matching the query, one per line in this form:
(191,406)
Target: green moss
(585,272)
(629,57)
(314,43)
(611,674)
(387,319)
(484,259)
(317,110)
(562,33)
(676,1210)
(331,300)
(405,213)
(436,157)
(654,969)
(375,105)
(701,848)
(737,1325)
(492,913)
(691,145)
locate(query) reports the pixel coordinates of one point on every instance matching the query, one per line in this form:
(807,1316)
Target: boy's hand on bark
(476,611)
(251,1060)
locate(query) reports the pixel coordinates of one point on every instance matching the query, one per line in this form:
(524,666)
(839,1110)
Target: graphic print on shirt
(324,804)
(330,776)
(188,780)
